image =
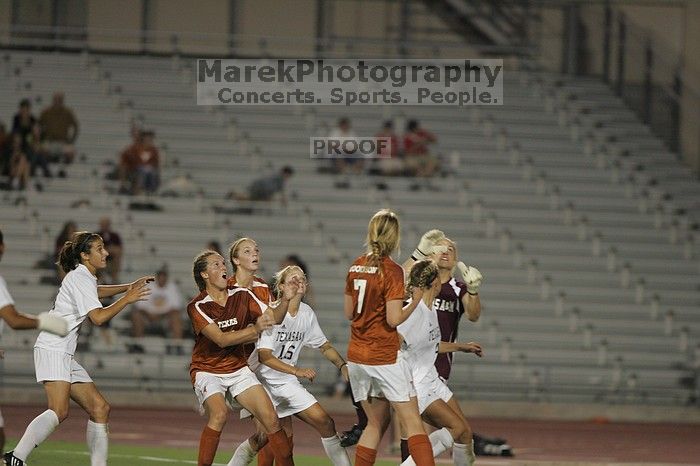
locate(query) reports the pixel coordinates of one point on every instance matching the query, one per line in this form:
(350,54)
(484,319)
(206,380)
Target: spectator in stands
(265,188)
(5,150)
(59,129)
(139,165)
(148,168)
(419,161)
(346,163)
(38,155)
(390,161)
(164,302)
(20,168)
(127,163)
(113,245)
(66,234)
(23,122)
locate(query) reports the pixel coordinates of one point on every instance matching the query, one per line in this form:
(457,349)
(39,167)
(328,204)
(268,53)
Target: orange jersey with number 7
(372,340)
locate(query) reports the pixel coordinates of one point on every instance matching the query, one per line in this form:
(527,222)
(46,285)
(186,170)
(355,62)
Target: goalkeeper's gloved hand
(52,324)
(428,245)
(471,276)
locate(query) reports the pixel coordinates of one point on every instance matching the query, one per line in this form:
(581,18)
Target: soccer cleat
(9,459)
(351,437)
(484,446)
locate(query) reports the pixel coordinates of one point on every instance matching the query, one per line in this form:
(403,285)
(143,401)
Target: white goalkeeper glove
(428,245)
(471,276)
(52,324)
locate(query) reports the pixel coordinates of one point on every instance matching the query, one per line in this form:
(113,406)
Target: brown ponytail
(69,255)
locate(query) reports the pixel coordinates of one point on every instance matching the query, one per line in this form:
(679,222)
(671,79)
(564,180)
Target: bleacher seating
(584,253)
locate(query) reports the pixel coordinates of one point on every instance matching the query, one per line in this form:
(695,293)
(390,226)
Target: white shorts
(288,399)
(431,389)
(231,385)
(390,381)
(55,365)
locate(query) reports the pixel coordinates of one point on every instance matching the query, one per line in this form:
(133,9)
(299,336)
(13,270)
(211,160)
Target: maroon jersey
(241,310)
(449,308)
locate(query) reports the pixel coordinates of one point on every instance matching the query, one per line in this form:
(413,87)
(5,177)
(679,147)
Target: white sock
(243,455)
(463,455)
(337,454)
(37,431)
(98,443)
(441,440)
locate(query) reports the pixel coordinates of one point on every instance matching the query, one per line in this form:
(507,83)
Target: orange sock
(281,448)
(265,456)
(208,443)
(421,451)
(365,456)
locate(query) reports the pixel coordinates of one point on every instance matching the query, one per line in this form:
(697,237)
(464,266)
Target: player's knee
(218,418)
(326,427)
(61,412)
(101,411)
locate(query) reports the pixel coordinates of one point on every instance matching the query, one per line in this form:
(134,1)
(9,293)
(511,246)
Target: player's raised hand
(428,245)
(471,276)
(137,291)
(143,280)
(305,373)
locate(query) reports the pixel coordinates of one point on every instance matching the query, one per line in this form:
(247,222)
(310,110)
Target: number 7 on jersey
(360,284)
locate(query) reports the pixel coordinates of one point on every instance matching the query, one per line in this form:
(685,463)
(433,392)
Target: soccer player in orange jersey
(225,319)
(374,294)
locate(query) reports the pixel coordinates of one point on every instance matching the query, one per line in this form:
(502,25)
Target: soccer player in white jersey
(63,378)
(19,321)
(420,347)
(275,364)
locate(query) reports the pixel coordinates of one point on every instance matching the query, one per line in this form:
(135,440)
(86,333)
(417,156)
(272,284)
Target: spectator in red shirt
(419,160)
(390,161)
(139,164)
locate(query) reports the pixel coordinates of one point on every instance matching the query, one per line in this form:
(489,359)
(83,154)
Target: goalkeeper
(457,296)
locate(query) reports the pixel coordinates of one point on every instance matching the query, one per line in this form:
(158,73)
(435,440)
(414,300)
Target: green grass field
(76,454)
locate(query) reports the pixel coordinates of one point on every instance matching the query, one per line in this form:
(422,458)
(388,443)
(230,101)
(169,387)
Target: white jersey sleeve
(5,297)
(315,338)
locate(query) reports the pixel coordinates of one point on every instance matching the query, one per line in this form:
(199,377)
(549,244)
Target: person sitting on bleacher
(139,164)
(59,129)
(23,122)
(266,187)
(416,144)
(165,302)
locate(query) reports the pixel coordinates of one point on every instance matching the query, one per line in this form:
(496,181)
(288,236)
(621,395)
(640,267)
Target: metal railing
(237,45)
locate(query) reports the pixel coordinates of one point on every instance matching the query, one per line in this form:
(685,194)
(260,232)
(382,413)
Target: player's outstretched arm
(44,321)
(332,354)
(266,357)
(471,347)
(237,337)
(107,291)
(137,291)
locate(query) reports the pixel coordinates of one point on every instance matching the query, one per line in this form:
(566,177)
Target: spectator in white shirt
(164,303)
